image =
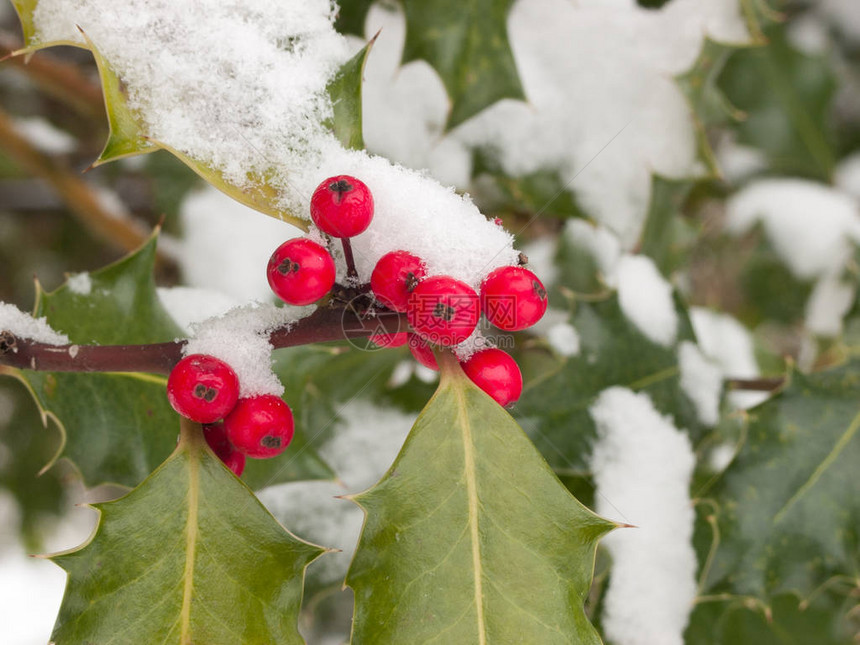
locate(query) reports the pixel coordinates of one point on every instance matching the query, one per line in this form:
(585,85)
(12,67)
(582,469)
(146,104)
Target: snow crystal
(240,338)
(646,299)
(701,381)
(80,283)
(812,227)
(564,339)
(45,136)
(23,325)
(642,469)
(188,306)
(603,246)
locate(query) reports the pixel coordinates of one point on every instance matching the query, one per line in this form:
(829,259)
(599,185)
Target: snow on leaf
(470,536)
(190,555)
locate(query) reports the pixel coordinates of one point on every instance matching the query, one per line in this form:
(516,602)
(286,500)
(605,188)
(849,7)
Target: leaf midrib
(190,546)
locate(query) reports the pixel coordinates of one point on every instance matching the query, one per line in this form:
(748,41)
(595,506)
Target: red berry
(300,271)
(443,310)
(513,298)
(216,437)
(495,372)
(260,426)
(202,388)
(389,340)
(342,206)
(422,352)
(394,277)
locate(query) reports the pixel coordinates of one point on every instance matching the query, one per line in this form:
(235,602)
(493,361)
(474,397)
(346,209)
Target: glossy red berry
(423,352)
(301,271)
(389,340)
(216,437)
(513,298)
(202,388)
(260,426)
(443,310)
(342,206)
(495,372)
(394,277)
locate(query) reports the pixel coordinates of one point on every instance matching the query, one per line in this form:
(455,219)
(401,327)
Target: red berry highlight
(389,340)
(216,437)
(443,310)
(513,298)
(422,352)
(497,374)
(394,277)
(202,388)
(342,206)
(301,271)
(260,426)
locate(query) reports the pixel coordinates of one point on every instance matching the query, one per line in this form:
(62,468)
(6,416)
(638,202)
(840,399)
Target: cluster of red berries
(441,310)
(205,389)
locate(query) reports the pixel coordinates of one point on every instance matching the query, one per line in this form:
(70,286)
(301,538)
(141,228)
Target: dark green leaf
(660,237)
(351,15)
(469,537)
(190,555)
(345,93)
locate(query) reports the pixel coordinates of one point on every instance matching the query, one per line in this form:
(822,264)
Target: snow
(646,299)
(811,226)
(603,246)
(80,284)
(44,136)
(642,469)
(830,300)
(844,16)
(25,326)
(189,306)
(541,254)
(564,339)
(846,177)
(701,381)
(737,161)
(240,338)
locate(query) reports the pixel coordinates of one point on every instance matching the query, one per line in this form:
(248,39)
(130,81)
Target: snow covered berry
(216,437)
(260,426)
(389,340)
(443,310)
(394,277)
(301,271)
(342,206)
(513,298)
(495,372)
(202,388)
(422,352)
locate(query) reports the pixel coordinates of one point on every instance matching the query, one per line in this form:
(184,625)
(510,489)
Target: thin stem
(756,384)
(159,358)
(350,261)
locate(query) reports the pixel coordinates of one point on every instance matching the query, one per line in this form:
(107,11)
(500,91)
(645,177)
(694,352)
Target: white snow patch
(23,325)
(564,339)
(598,241)
(44,136)
(240,338)
(541,255)
(844,15)
(811,226)
(738,161)
(846,177)
(830,300)
(642,468)
(721,456)
(80,284)
(189,306)
(701,381)
(646,299)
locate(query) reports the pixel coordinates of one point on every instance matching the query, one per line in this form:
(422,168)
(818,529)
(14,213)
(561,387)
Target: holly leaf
(468,46)
(787,506)
(190,555)
(345,93)
(351,15)
(470,537)
(662,235)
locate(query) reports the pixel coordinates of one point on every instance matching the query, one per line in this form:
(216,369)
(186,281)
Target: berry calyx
(216,437)
(342,206)
(497,374)
(260,426)
(395,277)
(443,310)
(513,298)
(422,352)
(202,388)
(301,271)
(389,340)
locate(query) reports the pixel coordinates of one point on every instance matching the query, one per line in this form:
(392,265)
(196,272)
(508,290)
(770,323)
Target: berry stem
(350,260)
(159,358)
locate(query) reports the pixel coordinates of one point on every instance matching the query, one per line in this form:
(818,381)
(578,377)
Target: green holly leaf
(351,16)
(25,10)
(787,506)
(190,555)
(470,537)
(345,93)
(468,46)
(663,234)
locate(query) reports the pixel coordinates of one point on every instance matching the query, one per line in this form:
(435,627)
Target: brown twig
(756,384)
(159,358)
